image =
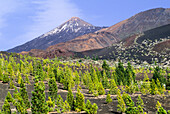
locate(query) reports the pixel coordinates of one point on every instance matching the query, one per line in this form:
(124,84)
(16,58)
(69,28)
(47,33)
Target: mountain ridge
(106,37)
(69,30)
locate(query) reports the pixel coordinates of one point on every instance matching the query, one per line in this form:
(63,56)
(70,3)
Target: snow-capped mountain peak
(69,30)
(74,24)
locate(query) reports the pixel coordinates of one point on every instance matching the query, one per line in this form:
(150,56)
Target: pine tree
(139,102)
(30,68)
(38,99)
(70,98)
(129,74)
(157,74)
(120,72)
(106,68)
(53,89)
(161,89)
(77,78)
(130,107)
(79,101)
(108,98)
(20,106)
(6,109)
(94,108)
(66,106)
(121,104)
(11,84)
(158,105)
(162,110)
(101,90)
(16,94)
(39,71)
(50,104)
(27,79)
(153,87)
(91,109)
(9,97)
(19,78)
(24,94)
(1,74)
(60,104)
(105,81)
(5,78)
(88,106)
(113,87)
(10,70)
(68,78)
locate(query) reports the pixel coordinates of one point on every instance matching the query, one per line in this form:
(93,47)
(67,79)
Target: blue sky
(24,20)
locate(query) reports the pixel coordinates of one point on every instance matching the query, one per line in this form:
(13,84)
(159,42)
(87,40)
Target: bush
(108,98)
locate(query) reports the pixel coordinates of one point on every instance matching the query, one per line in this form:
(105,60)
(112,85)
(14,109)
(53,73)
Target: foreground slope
(69,30)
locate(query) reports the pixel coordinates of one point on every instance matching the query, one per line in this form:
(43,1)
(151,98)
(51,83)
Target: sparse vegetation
(65,86)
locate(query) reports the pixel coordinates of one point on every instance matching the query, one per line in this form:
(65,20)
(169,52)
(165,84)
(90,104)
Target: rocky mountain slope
(151,45)
(140,22)
(106,37)
(69,30)
(132,27)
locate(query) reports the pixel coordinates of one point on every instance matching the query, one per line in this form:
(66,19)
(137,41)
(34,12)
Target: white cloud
(50,14)
(44,15)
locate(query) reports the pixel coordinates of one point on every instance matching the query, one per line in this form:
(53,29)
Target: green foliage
(113,87)
(91,109)
(105,81)
(70,98)
(153,88)
(60,104)
(51,104)
(129,74)
(77,78)
(168,82)
(79,101)
(66,107)
(11,84)
(128,101)
(53,89)
(168,111)
(1,75)
(158,75)
(105,66)
(162,110)
(158,105)
(38,99)
(68,78)
(5,78)
(121,104)
(108,98)
(6,107)
(9,97)
(20,106)
(139,102)
(120,72)
(24,94)
(101,90)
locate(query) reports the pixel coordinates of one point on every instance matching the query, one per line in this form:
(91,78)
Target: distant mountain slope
(151,45)
(151,35)
(140,22)
(106,37)
(69,30)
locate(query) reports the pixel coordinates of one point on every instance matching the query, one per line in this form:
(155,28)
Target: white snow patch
(76,30)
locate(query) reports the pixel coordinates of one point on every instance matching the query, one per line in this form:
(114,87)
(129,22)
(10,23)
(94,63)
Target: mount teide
(106,37)
(71,29)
